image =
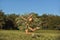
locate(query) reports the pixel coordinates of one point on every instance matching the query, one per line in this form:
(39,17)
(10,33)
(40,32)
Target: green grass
(19,35)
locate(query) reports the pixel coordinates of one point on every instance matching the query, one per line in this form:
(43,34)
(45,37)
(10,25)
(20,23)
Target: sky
(27,6)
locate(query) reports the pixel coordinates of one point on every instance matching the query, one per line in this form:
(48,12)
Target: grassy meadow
(38,35)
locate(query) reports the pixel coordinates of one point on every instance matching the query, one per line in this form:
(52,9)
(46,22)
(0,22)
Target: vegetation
(19,35)
(12,26)
(15,22)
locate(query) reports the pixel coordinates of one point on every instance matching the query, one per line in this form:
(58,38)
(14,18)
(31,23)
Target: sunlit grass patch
(19,35)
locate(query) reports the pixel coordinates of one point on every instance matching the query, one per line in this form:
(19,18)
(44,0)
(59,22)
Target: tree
(2,18)
(10,22)
(31,20)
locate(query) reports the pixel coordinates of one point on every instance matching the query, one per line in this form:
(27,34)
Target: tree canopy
(44,21)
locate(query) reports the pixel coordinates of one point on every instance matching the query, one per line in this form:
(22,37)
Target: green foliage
(51,21)
(22,23)
(14,21)
(2,19)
